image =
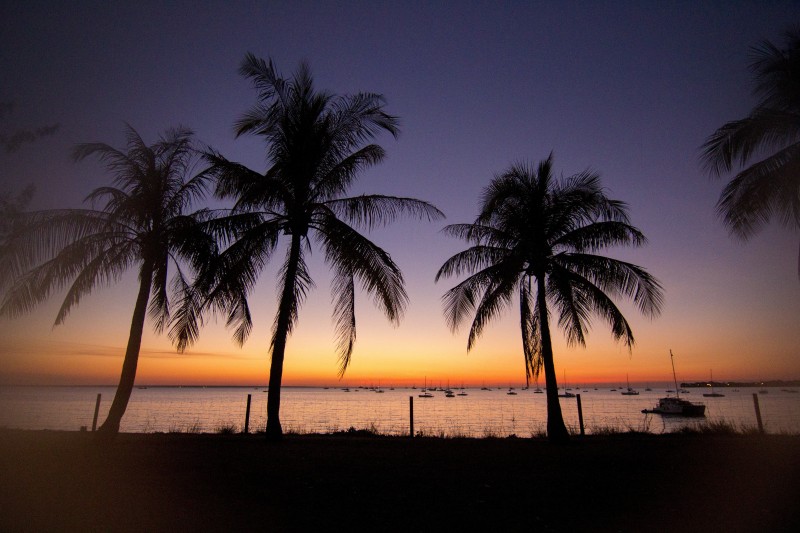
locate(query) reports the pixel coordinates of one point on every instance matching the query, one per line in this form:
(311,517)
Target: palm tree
(316,149)
(141,223)
(765,145)
(536,236)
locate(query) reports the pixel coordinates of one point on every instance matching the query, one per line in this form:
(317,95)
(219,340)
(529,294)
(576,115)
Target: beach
(71,481)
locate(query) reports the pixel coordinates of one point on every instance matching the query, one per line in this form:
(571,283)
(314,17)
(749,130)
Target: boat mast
(674,377)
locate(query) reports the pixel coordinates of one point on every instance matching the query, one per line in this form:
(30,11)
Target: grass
(70,481)
(374,429)
(718,427)
(227,429)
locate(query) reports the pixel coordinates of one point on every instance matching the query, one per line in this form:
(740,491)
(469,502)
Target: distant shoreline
(742,384)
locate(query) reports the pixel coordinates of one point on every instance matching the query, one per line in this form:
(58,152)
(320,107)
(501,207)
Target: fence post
(580,413)
(758,413)
(411,416)
(96,412)
(247,415)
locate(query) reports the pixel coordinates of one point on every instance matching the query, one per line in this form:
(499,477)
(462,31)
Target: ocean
(478,413)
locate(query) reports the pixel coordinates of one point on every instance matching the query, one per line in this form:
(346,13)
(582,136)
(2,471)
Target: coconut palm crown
(317,146)
(764,146)
(537,238)
(142,223)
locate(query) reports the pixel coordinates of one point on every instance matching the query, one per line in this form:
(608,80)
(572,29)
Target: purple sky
(629,89)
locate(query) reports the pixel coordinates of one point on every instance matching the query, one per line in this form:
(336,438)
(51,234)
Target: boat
(511,391)
(672,405)
(462,392)
(566,393)
(675,405)
(712,394)
(448,392)
(629,391)
(425,393)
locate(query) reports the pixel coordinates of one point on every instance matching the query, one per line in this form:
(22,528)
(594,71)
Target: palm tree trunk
(274,430)
(556,430)
(128,376)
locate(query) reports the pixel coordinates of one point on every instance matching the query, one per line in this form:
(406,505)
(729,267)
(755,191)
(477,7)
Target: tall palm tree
(765,145)
(537,237)
(141,222)
(316,149)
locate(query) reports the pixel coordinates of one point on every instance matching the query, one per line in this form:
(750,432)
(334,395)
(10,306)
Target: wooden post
(580,414)
(247,415)
(96,412)
(411,416)
(758,413)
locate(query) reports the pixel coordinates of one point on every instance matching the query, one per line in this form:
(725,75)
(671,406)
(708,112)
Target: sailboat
(425,393)
(629,391)
(567,393)
(712,394)
(676,406)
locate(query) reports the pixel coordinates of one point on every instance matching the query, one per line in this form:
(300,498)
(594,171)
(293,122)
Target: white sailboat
(676,406)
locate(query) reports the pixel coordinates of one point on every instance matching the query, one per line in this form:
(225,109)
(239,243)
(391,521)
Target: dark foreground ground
(58,481)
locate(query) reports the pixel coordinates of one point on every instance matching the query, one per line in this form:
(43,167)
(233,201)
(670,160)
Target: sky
(628,89)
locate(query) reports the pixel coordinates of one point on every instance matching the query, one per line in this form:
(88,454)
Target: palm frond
(249,188)
(775,72)
(736,142)
(619,278)
(344,314)
(531,332)
(299,289)
(768,188)
(375,270)
(470,260)
(187,319)
(588,298)
(369,211)
(337,172)
(496,296)
(599,235)
(158,307)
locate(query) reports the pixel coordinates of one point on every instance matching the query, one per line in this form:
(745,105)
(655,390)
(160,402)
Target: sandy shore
(153,482)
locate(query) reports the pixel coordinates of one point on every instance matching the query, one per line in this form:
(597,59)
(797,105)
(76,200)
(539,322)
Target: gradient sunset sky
(629,89)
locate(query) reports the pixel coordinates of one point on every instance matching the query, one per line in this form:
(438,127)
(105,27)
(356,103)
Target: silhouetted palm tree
(768,140)
(316,149)
(141,223)
(536,236)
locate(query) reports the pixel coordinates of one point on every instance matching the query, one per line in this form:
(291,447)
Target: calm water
(480,413)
